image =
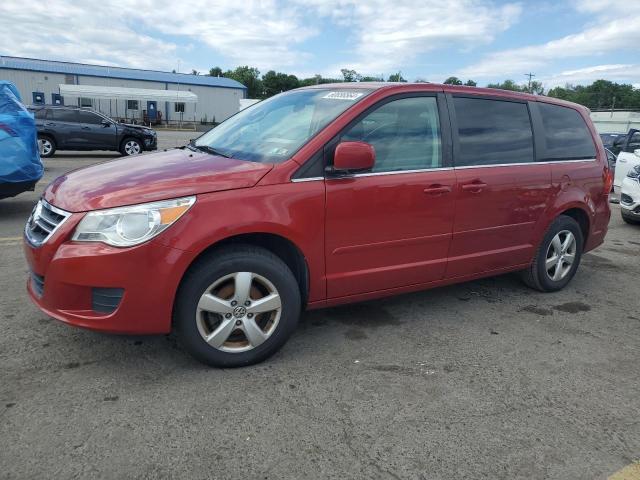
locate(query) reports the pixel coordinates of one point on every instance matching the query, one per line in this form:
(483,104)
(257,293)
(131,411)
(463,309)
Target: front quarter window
(273,130)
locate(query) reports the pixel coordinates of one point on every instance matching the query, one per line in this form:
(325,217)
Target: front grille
(45,219)
(106,300)
(37,284)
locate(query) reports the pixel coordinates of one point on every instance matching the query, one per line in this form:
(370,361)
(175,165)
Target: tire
(130,146)
(223,316)
(552,254)
(47,146)
(629,219)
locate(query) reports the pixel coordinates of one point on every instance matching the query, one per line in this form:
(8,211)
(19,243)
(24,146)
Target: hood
(147,178)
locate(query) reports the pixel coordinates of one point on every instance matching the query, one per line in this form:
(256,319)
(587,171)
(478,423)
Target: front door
(502,191)
(152,111)
(391,227)
(93,134)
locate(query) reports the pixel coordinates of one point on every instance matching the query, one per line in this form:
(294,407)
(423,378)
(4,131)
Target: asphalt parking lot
(486,379)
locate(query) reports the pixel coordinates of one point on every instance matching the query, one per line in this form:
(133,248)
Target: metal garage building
(124,93)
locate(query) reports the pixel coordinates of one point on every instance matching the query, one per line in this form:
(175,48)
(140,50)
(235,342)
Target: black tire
(629,219)
(536,275)
(52,143)
(124,146)
(217,265)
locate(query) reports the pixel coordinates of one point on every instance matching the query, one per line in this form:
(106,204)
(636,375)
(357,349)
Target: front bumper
(95,286)
(630,198)
(150,143)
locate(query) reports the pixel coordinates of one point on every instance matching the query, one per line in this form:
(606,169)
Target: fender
(294,211)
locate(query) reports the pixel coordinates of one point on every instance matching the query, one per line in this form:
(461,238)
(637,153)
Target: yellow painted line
(630,472)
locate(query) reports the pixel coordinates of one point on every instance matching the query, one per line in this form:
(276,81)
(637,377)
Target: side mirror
(636,152)
(106,123)
(353,156)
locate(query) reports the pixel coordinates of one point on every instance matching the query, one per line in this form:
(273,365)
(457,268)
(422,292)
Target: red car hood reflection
(147,178)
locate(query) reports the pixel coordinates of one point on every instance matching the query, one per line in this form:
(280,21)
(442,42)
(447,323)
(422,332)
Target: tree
(215,72)
(250,78)
(453,81)
(350,75)
(195,72)
(600,94)
(396,77)
(536,88)
(471,83)
(274,83)
(507,85)
(372,79)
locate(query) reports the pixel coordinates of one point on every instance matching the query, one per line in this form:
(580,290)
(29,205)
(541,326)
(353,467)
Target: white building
(124,93)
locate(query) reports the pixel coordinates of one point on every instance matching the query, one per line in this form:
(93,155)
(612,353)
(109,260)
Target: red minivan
(316,197)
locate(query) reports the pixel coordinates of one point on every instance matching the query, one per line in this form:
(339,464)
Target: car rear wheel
(237,307)
(130,146)
(558,256)
(46,145)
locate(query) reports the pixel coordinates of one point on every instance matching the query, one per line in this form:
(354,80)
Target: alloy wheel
(45,146)
(132,147)
(238,312)
(561,254)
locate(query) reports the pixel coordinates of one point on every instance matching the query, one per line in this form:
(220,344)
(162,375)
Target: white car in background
(630,196)
(628,158)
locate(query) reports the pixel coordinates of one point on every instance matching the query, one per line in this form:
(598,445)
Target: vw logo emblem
(239,312)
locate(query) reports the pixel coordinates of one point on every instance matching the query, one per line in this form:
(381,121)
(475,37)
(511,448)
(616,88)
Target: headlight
(132,225)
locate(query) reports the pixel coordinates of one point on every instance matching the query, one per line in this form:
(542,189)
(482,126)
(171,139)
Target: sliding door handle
(437,189)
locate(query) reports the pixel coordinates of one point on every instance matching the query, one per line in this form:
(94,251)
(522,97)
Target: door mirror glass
(106,123)
(354,156)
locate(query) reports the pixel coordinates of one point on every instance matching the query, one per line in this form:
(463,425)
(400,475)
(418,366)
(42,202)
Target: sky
(573,41)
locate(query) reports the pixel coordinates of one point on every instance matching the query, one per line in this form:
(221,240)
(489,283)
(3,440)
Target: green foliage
(453,81)
(471,83)
(215,72)
(601,94)
(250,78)
(274,83)
(372,79)
(508,85)
(350,75)
(396,77)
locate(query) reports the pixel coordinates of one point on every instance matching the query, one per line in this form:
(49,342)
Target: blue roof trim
(68,68)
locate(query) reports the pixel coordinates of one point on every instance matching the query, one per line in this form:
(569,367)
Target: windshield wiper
(208,149)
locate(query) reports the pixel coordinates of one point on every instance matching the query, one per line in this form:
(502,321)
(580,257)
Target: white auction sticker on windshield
(343,95)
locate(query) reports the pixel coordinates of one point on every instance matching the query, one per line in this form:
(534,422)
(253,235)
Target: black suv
(74,128)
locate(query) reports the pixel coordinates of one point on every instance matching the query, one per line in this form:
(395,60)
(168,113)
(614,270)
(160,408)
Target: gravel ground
(486,379)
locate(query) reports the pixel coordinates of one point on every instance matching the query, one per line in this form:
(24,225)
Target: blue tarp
(19,153)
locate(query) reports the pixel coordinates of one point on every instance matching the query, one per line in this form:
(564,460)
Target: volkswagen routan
(318,197)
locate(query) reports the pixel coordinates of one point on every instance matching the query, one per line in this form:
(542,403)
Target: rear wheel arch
(582,217)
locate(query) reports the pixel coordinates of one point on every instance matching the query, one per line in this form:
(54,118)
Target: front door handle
(437,189)
(86,128)
(474,187)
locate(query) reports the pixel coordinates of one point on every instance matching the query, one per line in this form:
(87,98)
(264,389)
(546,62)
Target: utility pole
(530,75)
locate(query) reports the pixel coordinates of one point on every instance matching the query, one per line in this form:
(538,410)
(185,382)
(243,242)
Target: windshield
(273,130)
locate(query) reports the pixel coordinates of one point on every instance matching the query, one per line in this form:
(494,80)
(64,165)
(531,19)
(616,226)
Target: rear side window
(566,136)
(62,115)
(492,132)
(88,117)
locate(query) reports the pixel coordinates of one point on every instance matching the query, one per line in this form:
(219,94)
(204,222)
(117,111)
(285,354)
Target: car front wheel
(236,307)
(130,146)
(558,256)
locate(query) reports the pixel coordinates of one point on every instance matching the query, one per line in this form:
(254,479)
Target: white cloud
(617,29)
(611,72)
(389,35)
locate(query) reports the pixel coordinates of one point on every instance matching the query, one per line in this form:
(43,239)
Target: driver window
(405,134)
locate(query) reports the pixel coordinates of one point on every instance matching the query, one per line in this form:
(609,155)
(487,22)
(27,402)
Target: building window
(132,104)
(38,98)
(56,99)
(179,107)
(86,102)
